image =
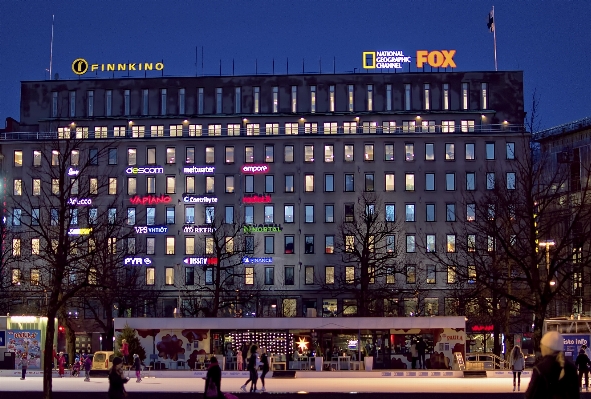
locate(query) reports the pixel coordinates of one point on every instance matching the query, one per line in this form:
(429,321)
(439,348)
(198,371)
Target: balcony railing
(217,131)
(564,128)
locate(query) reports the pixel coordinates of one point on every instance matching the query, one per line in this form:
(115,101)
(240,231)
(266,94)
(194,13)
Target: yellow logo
(443,58)
(80,66)
(369,60)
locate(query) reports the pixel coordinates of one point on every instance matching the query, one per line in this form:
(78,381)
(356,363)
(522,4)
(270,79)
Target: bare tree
(366,243)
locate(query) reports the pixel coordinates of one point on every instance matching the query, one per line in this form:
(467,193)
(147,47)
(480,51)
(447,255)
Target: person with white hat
(553,376)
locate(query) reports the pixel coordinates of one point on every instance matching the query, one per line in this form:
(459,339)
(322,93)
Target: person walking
(421,348)
(414,354)
(124,350)
(265,364)
(61,363)
(252,368)
(137,365)
(244,355)
(587,351)
(117,380)
(582,363)
(213,380)
(239,359)
(517,362)
(87,367)
(553,376)
(24,365)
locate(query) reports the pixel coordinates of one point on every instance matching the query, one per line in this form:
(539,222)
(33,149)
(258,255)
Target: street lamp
(547,244)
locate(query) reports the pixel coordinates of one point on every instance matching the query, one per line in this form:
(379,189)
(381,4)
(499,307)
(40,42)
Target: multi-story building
(291,153)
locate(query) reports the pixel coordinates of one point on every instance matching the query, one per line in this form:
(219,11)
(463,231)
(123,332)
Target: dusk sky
(549,40)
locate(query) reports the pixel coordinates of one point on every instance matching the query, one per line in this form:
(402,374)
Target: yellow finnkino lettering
(121,67)
(110,67)
(148,66)
(94,67)
(132,67)
(80,66)
(159,66)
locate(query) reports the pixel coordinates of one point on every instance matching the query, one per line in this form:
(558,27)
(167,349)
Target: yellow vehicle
(102,360)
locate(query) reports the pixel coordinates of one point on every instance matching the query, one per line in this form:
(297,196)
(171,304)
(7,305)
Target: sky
(550,41)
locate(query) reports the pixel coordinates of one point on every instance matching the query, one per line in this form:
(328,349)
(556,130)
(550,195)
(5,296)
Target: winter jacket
(545,382)
(87,363)
(582,362)
(517,364)
(252,362)
(125,349)
(214,375)
(265,362)
(137,364)
(116,385)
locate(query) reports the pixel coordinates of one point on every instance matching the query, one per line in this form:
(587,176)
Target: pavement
(308,388)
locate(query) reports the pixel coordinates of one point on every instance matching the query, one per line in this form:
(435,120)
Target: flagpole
(51,47)
(495,36)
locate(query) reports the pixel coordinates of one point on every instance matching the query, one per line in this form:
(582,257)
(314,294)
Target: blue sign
(246,260)
(2,339)
(573,343)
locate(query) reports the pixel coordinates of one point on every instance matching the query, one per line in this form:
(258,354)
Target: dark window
(289,274)
(309,247)
(289,248)
(189,275)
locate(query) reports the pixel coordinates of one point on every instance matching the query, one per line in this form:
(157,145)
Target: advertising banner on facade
(573,343)
(25,343)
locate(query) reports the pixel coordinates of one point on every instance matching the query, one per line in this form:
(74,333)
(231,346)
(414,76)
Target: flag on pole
(491,20)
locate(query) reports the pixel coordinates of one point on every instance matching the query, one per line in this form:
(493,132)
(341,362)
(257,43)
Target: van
(102,360)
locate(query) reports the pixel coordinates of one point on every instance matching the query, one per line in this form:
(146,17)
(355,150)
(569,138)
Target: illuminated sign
(191,199)
(150,200)
(80,201)
(436,59)
(195,170)
(197,229)
(384,59)
(137,261)
(80,66)
(485,327)
(73,172)
(144,170)
(262,228)
(246,259)
(256,199)
(151,229)
(79,232)
(255,168)
(200,261)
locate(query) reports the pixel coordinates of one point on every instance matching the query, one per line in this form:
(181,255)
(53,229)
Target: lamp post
(547,244)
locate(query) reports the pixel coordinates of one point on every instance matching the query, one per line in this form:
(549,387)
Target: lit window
(189,245)
(451,243)
(409,149)
(368,153)
(389,185)
(411,275)
(450,152)
(349,274)
(18,186)
(169,276)
(429,152)
(465,96)
(388,152)
(170,184)
(275,99)
(209,185)
(427,97)
(329,244)
(370,97)
(445,104)
(170,245)
(329,153)
(409,181)
(349,153)
(312,99)
(350,91)
(249,275)
(294,99)
(331,99)
(230,184)
(257,99)
(430,247)
(309,183)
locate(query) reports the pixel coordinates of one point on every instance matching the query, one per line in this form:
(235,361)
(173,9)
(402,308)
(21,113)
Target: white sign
(143,170)
(194,170)
(73,172)
(80,201)
(197,229)
(79,232)
(390,59)
(137,261)
(191,199)
(246,260)
(151,229)
(199,261)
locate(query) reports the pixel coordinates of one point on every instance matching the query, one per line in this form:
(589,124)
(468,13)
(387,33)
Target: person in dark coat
(265,364)
(582,364)
(553,376)
(244,355)
(24,365)
(252,368)
(213,380)
(137,365)
(421,348)
(87,367)
(116,380)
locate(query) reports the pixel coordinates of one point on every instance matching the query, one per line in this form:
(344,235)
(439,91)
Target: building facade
(289,156)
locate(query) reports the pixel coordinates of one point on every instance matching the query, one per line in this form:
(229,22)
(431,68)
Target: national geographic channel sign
(395,59)
(80,66)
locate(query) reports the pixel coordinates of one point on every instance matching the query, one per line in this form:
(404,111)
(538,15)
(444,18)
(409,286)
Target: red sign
(255,169)
(150,200)
(257,199)
(479,327)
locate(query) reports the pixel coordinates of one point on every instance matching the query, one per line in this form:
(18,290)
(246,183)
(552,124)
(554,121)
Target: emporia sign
(395,59)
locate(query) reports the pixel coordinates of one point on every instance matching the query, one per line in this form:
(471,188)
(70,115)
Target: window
(368,152)
(409,181)
(257,100)
(450,212)
(471,244)
(170,184)
(36,186)
(55,160)
(249,214)
(157,131)
(150,215)
(209,155)
(430,243)
(426,97)
(470,181)
(150,245)
(349,213)
(309,213)
(465,98)
(510,150)
(131,216)
(195,130)
(151,156)
(309,275)
(510,180)
(36,158)
(209,214)
(289,245)
(269,244)
(200,101)
(234,129)
(449,151)
(369,182)
(288,214)
(269,275)
(170,155)
(409,150)
(269,214)
(331,98)
(329,153)
(16,277)
(328,244)
(189,275)
(249,244)
(237,100)
(170,245)
(151,185)
(229,215)
(349,274)
(445,104)
(249,275)
(18,158)
(269,154)
(471,273)
(249,154)
(390,213)
(112,215)
(170,215)
(430,212)
(490,151)
(407,97)
(18,186)
(230,183)
(470,212)
(275,99)
(411,275)
(308,153)
(72,104)
(55,187)
(329,183)
(349,182)
(389,184)
(16,217)
(269,183)
(431,274)
(312,99)
(410,243)
(350,91)
(92,216)
(288,154)
(450,181)
(349,153)
(189,215)
(329,213)
(309,183)
(429,181)
(490,180)
(450,243)
(289,185)
(218,100)
(190,184)
(112,156)
(388,97)
(410,213)
(388,152)
(470,153)
(429,152)
(294,99)
(209,184)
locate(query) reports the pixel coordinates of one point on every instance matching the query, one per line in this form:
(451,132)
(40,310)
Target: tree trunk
(539,317)
(48,355)
(108,335)
(496,338)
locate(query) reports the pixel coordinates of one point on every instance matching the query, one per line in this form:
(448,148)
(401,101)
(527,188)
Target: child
(76,369)
(137,364)
(61,362)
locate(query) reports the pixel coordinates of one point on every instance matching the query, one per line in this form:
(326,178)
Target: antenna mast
(51,47)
